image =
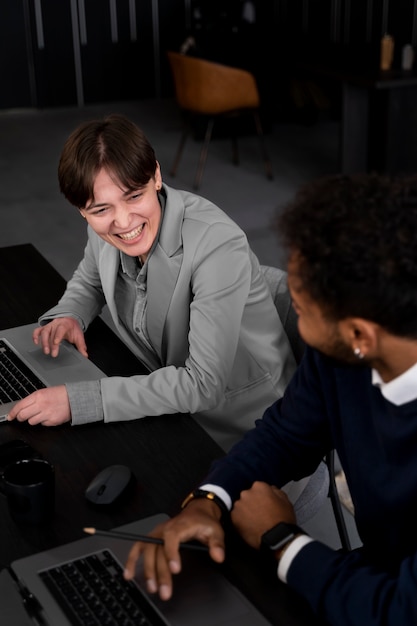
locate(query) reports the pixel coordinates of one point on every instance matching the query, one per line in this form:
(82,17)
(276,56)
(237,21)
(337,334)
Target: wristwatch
(280,535)
(208,495)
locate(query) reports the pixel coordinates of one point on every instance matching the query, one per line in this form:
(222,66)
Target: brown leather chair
(205,88)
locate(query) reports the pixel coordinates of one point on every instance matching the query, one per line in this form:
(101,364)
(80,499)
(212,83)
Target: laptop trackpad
(202,584)
(66,358)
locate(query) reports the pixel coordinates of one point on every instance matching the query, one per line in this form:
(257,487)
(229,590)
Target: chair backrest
(210,88)
(277,283)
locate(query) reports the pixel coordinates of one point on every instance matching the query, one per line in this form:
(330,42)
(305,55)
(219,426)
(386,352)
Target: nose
(122,217)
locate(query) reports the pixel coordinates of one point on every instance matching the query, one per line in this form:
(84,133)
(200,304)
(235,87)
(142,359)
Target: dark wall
(349,29)
(116,49)
(64,52)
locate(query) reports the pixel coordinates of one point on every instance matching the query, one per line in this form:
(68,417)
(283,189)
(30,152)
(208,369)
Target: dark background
(80,52)
(54,53)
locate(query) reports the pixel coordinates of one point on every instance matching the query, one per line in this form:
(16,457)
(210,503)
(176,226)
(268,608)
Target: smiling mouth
(133,233)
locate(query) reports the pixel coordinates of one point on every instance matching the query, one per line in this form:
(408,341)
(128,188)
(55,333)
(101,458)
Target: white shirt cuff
(220,492)
(290,553)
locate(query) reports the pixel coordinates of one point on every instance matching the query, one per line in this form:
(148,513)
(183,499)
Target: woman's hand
(199,520)
(49,407)
(50,336)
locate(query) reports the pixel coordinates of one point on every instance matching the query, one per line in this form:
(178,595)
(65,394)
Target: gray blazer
(210,318)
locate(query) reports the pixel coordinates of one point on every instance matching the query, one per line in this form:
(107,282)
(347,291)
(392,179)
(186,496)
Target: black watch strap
(281,534)
(208,495)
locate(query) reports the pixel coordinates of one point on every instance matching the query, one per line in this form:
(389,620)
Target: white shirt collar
(402,389)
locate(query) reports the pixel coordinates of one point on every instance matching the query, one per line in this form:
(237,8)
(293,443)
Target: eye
(100,211)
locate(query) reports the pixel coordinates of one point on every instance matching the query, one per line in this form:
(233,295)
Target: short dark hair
(356,239)
(114,143)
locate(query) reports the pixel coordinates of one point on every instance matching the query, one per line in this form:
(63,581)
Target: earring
(357,352)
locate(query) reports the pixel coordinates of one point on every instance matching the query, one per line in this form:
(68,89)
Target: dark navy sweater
(328,405)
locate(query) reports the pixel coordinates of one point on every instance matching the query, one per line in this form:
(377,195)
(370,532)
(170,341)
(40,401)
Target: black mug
(29,486)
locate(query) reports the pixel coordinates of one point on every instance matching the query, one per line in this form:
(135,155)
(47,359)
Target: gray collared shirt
(132,298)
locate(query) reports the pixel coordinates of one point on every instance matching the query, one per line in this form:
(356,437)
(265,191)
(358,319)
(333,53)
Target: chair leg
(265,155)
(203,153)
(181,145)
(337,507)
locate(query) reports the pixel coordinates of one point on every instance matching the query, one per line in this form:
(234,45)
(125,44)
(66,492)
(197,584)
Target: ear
(82,213)
(361,334)
(158,177)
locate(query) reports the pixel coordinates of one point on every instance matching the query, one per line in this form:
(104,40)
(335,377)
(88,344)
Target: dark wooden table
(168,454)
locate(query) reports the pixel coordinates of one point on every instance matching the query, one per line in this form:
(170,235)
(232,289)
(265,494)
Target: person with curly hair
(352,273)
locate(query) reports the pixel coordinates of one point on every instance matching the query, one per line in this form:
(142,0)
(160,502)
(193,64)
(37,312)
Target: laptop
(69,366)
(202,596)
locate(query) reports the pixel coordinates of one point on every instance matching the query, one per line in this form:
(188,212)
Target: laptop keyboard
(92,591)
(16,379)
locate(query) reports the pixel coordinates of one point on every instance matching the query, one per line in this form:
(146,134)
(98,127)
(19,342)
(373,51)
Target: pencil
(118,534)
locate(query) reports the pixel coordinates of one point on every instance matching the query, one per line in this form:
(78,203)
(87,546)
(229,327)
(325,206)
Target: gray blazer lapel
(162,278)
(109,266)
(163,269)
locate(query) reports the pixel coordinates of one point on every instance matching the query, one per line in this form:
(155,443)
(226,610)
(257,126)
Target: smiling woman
(171,266)
(184,289)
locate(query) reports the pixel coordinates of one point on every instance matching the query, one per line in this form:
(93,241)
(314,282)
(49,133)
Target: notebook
(202,596)
(68,366)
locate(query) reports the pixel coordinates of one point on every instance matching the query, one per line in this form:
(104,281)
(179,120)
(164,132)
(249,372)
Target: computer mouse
(109,484)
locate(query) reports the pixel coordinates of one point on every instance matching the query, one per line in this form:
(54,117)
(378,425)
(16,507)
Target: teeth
(132,234)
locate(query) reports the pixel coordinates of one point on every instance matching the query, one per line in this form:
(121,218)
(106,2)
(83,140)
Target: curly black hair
(356,239)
